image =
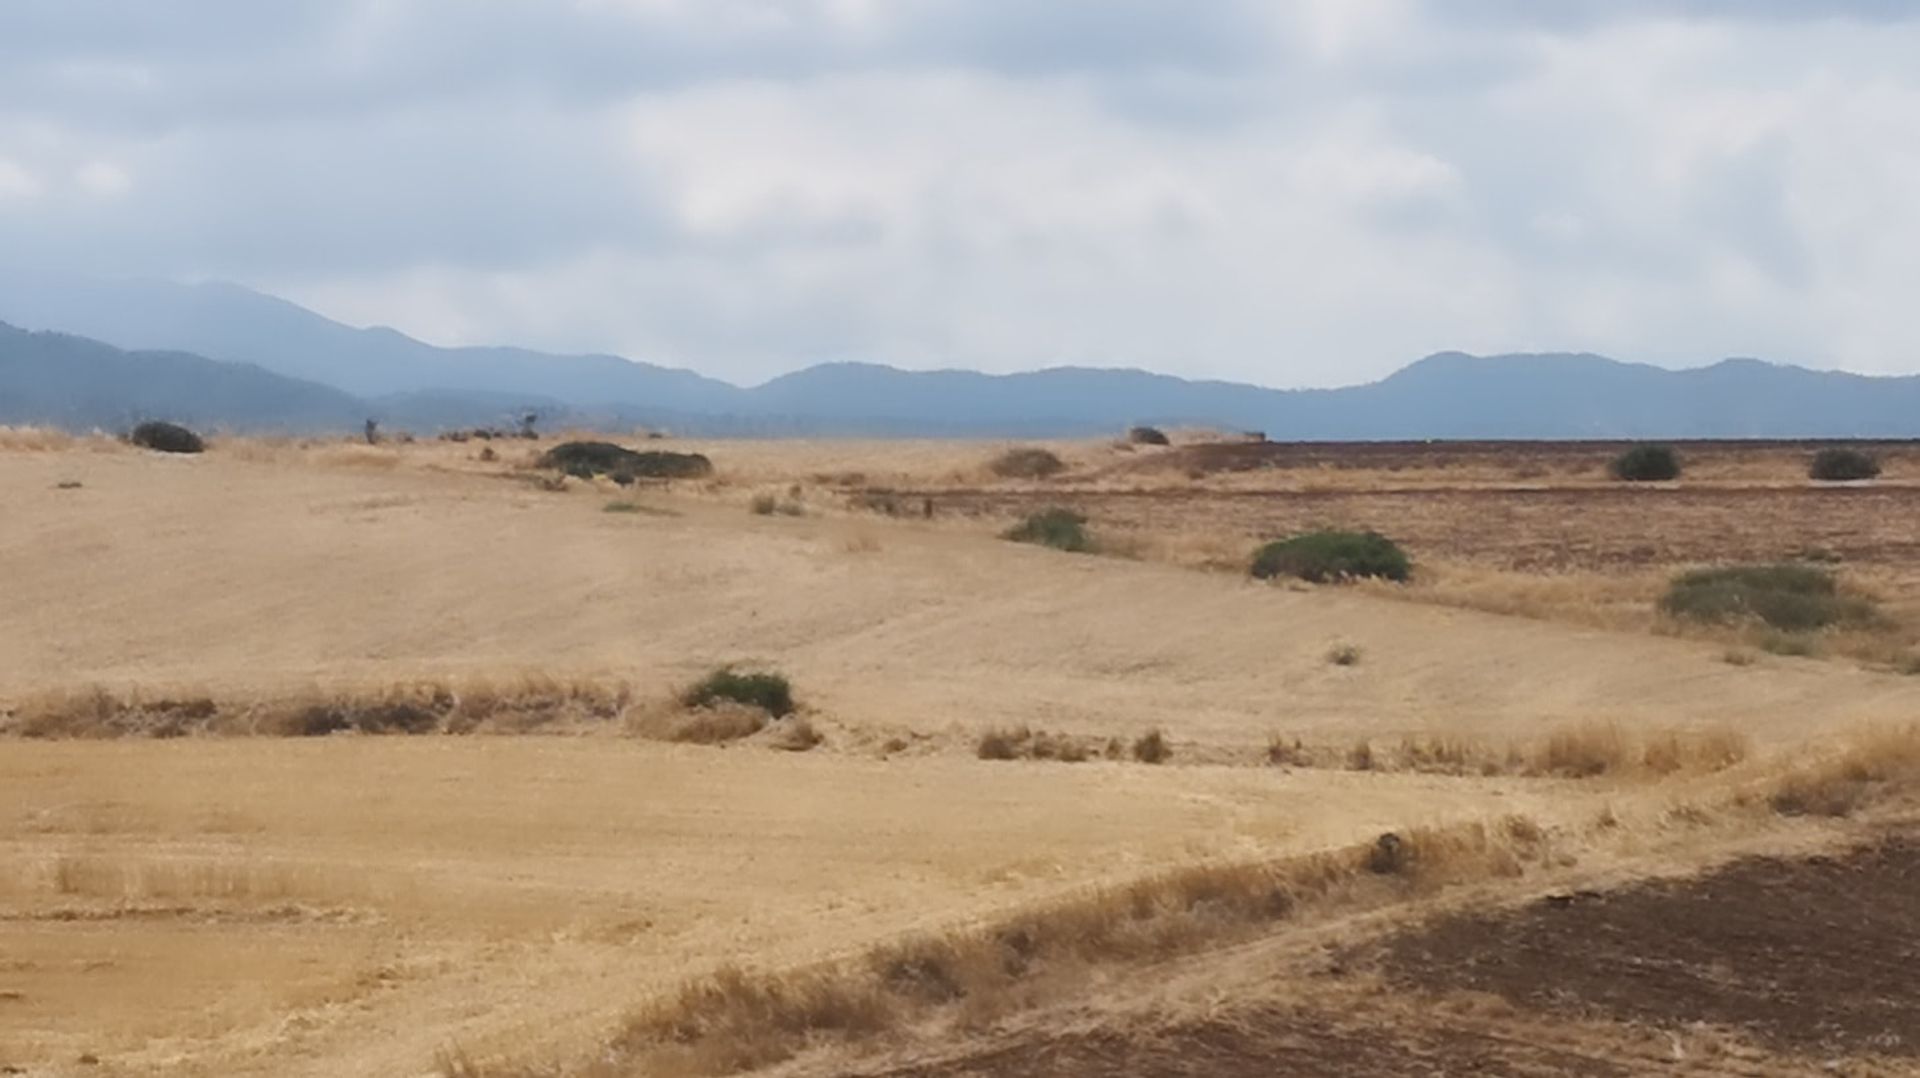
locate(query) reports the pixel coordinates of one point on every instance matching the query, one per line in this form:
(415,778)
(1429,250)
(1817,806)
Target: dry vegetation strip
(738,1019)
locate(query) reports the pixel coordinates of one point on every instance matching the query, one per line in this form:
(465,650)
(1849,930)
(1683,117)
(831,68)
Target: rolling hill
(409,382)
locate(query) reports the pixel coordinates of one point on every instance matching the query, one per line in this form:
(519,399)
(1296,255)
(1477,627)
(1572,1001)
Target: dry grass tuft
(1881,764)
(1152,747)
(712,724)
(1584,751)
(795,734)
(1023,743)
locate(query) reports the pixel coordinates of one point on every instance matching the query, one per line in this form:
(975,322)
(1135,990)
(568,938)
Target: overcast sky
(1311,192)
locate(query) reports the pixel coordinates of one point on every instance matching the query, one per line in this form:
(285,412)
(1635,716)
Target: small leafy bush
(1646,463)
(1027,463)
(769,692)
(1148,436)
(584,460)
(1344,655)
(1842,465)
(166,438)
(1327,556)
(1061,529)
(1790,598)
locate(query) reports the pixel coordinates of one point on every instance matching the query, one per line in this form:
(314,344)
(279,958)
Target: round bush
(1842,465)
(1027,463)
(584,460)
(1148,436)
(769,692)
(1791,598)
(166,438)
(1647,463)
(1061,529)
(1327,556)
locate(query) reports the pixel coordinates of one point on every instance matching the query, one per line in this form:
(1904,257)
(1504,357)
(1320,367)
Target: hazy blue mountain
(1449,395)
(74,382)
(226,321)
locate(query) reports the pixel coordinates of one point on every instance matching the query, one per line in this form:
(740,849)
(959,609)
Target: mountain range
(113,352)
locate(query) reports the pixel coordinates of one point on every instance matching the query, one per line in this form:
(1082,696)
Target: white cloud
(16,183)
(1307,193)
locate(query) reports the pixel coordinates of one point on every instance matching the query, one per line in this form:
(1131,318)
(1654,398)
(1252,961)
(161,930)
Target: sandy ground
(230,575)
(352,906)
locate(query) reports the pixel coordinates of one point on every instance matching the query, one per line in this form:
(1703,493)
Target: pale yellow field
(356,905)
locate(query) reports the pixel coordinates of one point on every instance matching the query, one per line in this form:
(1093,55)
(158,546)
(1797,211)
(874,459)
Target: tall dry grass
(1584,750)
(497,704)
(737,1019)
(39,439)
(1880,765)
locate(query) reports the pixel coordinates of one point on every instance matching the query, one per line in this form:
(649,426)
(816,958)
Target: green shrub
(1148,436)
(1332,556)
(1646,463)
(1344,655)
(1027,464)
(166,438)
(1842,465)
(769,692)
(584,460)
(1061,529)
(763,505)
(1790,598)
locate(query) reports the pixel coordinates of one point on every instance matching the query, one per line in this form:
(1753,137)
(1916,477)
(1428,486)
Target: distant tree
(1837,465)
(1646,463)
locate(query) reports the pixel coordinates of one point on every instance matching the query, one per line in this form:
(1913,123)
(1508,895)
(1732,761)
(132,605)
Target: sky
(1291,192)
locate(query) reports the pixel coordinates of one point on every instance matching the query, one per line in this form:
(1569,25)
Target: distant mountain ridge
(386,374)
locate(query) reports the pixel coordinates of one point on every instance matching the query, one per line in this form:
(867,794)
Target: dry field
(563,891)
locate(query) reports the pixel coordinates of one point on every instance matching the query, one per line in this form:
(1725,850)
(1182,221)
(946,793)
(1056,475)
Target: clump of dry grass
(1584,751)
(1152,747)
(795,734)
(714,724)
(31,439)
(1880,764)
(1024,743)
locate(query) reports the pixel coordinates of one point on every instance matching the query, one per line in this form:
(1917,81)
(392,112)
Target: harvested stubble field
(177,898)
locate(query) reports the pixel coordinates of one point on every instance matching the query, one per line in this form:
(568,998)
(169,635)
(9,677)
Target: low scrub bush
(1789,598)
(584,460)
(1646,463)
(1152,747)
(1061,529)
(1329,556)
(769,692)
(1027,463)
(1842,465)
(1148,436)
(1344,655)
(166,438)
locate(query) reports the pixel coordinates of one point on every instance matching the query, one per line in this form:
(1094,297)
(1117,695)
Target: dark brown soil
(1816,960)
(1594,527)
(1814,957)
(1270,1042)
